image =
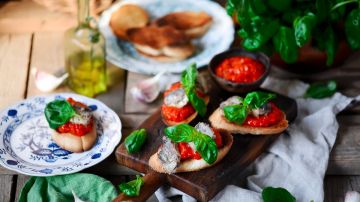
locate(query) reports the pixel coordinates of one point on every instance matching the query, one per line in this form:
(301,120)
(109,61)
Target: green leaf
(352,28)
(203,143)
(257,99)
(279,5)
(258,6)
(262,30)
(321,90)
(229,7)
(58,112)
(271,194)
(330,45)
(236,113)
(303,27)
(135,140)
(253,100)
(132,188)
(188,81)
(285,44)
(322,9)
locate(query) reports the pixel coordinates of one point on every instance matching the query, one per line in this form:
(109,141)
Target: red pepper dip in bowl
(239,71)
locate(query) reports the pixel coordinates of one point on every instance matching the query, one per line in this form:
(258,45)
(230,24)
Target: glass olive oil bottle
(85,55)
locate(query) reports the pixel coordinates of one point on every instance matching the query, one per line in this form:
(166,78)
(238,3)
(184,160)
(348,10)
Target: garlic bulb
(46,82)
(148,90)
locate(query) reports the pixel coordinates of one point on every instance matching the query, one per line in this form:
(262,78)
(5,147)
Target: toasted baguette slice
(75,143)
(167,54)
(193,24)
(126,17)
(193,164)
(188,119)
(218,121)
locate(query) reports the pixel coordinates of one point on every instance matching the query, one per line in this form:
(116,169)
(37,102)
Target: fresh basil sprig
(203,143)
(271,194)
(135,140)
(188,81)
(132,188)
(58,112)
(254,100)
(321,90)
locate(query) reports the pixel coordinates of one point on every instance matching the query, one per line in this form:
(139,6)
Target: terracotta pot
(312,60)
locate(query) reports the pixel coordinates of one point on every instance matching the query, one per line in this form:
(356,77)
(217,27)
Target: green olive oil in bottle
(85,55)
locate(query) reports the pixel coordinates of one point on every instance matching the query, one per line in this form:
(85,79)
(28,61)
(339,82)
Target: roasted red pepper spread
(240,69)
(174,113)
(271,118)
(73,128)
(186,152)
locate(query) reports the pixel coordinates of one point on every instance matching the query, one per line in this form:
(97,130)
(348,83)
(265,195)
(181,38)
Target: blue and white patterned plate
(26,145)
(218,38)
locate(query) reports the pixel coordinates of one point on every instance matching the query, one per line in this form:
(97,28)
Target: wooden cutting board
(203,184)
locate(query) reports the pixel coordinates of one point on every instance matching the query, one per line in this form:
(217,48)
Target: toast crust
(193,164)
(126,17)
(218,121)
(187,120)
(73,143)
(193,24)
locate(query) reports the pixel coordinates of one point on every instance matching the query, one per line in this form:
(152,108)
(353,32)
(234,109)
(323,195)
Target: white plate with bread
(29,146)
(149,36)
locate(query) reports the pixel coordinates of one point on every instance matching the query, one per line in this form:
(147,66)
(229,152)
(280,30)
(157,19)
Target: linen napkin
(298,159)
(86,187)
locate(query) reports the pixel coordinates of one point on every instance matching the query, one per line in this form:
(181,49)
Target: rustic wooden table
(32,37)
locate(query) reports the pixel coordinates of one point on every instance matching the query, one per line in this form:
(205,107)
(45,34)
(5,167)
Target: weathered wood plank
(14,60)
(345,156)
(20,182)
(335,187)
(28,16)
(6,184)
(131,104)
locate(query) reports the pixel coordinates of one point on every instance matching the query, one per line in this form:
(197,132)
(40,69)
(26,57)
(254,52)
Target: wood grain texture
(20,182)
(14,60)
(345,156)
(6,184)
(335,187)
(28,16)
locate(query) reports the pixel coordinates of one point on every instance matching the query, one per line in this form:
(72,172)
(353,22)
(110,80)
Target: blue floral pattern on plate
(218,38)
(26,145)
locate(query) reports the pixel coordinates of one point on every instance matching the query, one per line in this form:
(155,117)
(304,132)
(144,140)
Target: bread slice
(193,164)
(161,43)
(188,119)
(193,24)
(126,17)
(75,143)
(218,121)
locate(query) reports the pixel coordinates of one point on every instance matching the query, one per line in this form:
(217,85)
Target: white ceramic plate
(26,145)
(218,38)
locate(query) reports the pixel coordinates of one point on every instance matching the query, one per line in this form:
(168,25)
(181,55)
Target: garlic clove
(46,82)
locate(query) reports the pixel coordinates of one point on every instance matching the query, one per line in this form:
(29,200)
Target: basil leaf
(271,194)
(180,133)
(229,7)
(132,188)
(285,44)
(330,45)
(279,5)
(322,9)
(188,81)
(258,6)
(321,90)
(303,27)
(135,140)
(236,113)
(58,112)
(257,99)
(203,143)
(352,28)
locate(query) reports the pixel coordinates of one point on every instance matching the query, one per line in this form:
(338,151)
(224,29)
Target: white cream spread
(176,98)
